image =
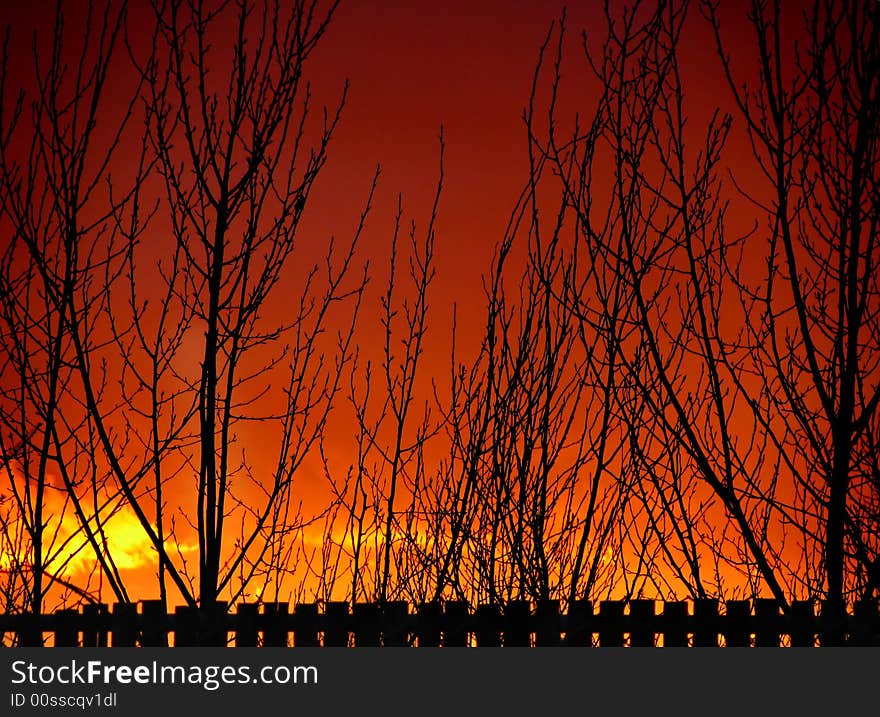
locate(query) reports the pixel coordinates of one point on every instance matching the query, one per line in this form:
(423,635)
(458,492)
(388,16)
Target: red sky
(412,67)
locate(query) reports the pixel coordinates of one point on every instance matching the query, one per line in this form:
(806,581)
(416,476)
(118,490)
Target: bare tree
(650,411)
(52,201)
(647,277)
(526,420)
(750,400)
(813,317)
(120,267)
(232,153)
(383,536)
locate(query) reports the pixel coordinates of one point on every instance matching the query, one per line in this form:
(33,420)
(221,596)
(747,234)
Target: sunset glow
(439,301)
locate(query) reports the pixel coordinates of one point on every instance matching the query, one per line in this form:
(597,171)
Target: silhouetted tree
(660,403)
(527,419)
(750,392)
(382,537)
(57,501)
(121,268)
(812,113)
(232,151)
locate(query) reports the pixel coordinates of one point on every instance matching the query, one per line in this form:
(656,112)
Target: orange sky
(414,66)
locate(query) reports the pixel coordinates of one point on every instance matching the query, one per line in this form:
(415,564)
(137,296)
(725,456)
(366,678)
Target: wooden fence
(636,623)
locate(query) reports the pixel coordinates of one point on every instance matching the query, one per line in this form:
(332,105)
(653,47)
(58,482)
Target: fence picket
(246,632)
(124,630)
(488,625)
(366,624)
(802,623)
(336,624)
(736,631)
(579,624)
(429,622)
(66,630)
(547,627)
(94,632)
(611,623)
(306,627)
(705,623)
(517,619)
(153,624)
(455,624)
(674,621)
(275,624)
(767,617)
(394,624)
(641,619)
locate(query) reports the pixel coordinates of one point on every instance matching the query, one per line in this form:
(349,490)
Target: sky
(414,67)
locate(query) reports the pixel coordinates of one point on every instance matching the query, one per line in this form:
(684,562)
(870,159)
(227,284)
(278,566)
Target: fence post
(579,624)
(94,633)
(455,624)
(275,624)
(336,624)
(517,632)
(124,625)
(153,624)
(66,629)
(246,633)
(430,617)
(767,627)
(487,627)
(611,623)
(547,631)
(705,623)
(802,624)
(395,615)
(305,629)
(641,623)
